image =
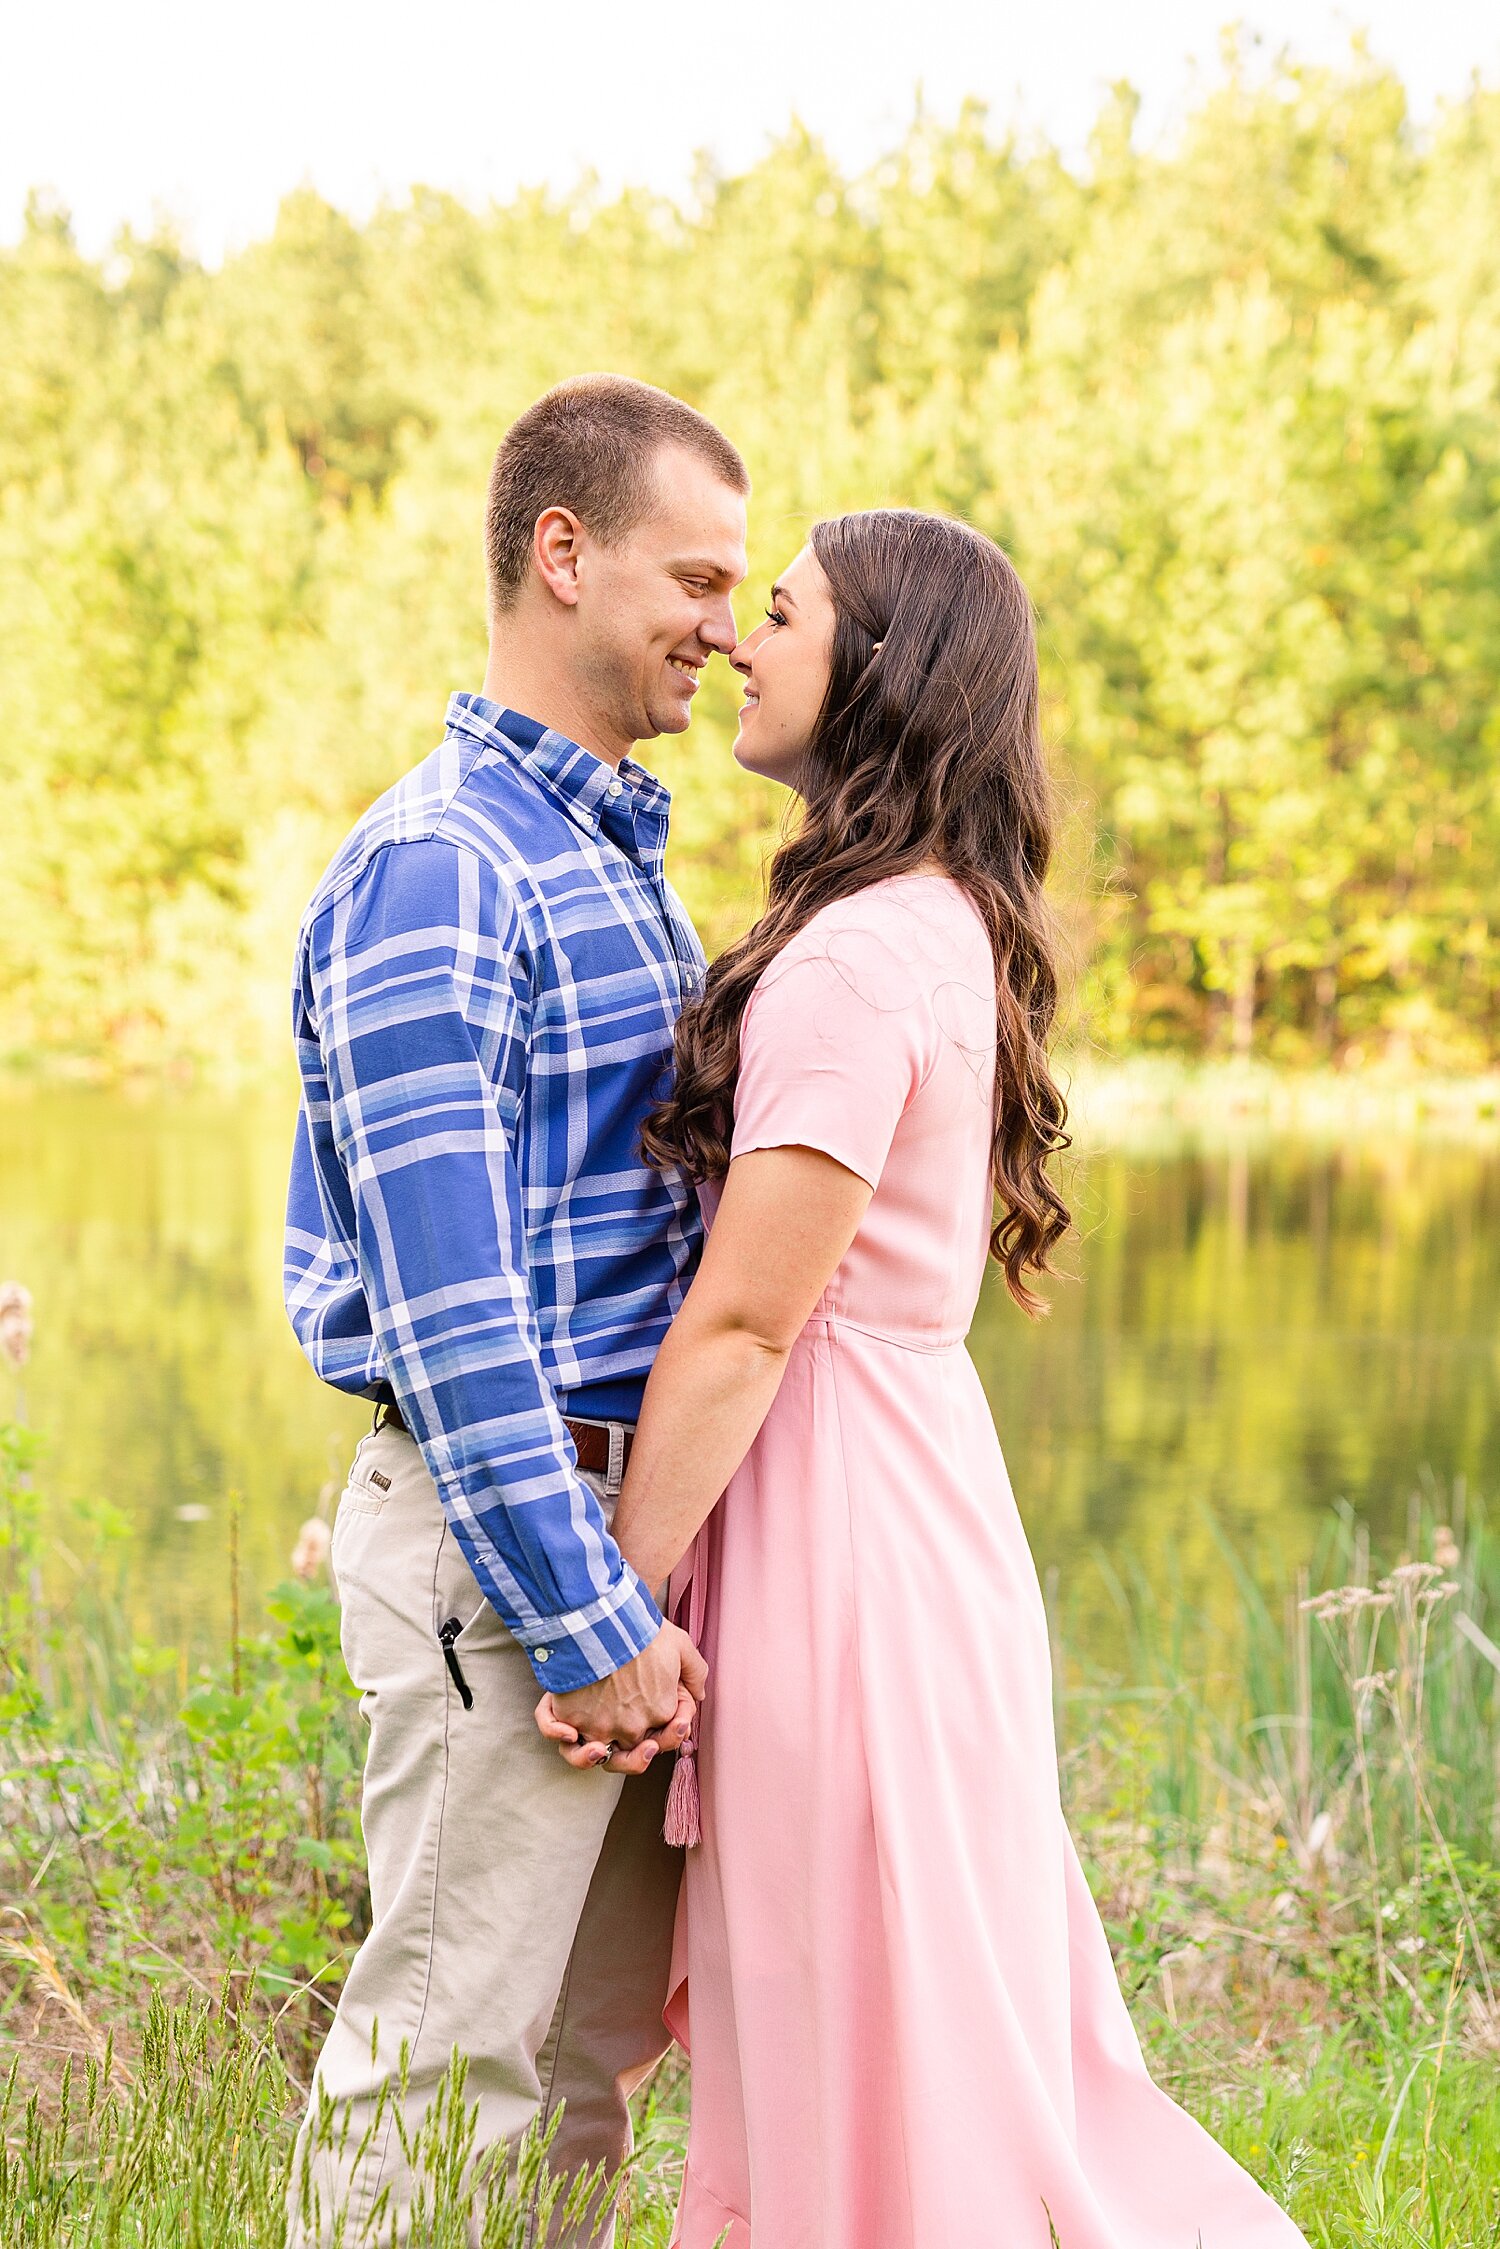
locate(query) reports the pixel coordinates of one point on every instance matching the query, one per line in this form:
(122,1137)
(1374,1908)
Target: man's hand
(643,1708)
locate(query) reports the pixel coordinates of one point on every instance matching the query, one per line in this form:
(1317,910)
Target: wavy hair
(928,749)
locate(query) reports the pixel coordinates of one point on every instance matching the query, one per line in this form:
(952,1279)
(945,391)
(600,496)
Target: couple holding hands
(660,1277)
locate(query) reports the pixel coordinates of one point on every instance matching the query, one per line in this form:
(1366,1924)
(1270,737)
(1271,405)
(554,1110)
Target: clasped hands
(627,1720)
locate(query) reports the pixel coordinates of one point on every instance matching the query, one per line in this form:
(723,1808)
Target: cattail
(310,1554)
(15,1323)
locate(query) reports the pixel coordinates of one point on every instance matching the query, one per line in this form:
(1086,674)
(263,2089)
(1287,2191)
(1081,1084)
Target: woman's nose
(741,656)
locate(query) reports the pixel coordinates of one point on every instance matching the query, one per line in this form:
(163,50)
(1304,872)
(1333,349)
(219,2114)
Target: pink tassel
(683,1824)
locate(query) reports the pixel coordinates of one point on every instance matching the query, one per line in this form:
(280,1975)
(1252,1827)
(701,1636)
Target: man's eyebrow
(704,566)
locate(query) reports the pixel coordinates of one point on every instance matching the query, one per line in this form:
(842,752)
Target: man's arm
(417,985)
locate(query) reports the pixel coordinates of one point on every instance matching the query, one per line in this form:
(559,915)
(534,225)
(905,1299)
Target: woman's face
(784,664)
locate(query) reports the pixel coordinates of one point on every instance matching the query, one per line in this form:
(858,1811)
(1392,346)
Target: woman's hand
(597,1756)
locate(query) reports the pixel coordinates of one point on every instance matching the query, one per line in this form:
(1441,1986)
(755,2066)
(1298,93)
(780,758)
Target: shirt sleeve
(417,982)
(835,1041)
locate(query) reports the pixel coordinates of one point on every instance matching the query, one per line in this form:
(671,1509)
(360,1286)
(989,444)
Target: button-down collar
(629,806)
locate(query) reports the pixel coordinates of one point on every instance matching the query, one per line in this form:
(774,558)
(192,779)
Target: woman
(902,2013)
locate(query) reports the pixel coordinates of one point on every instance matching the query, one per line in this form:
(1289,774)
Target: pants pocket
(368,1487)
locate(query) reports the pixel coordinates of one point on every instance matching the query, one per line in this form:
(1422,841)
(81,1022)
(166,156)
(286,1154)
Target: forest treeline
(1233,408)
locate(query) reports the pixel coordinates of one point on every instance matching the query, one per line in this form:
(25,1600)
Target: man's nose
(718,628)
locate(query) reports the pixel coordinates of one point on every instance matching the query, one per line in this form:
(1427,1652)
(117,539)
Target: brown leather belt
(590,1438)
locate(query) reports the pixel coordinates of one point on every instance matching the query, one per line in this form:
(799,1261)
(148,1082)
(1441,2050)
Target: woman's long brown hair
(929,749)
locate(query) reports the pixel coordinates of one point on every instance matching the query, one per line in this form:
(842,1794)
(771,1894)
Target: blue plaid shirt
(487,982)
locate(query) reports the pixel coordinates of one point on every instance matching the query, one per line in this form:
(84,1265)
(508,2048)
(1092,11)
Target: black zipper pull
(447,1634)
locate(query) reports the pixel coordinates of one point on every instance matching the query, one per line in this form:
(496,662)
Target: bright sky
(212,112)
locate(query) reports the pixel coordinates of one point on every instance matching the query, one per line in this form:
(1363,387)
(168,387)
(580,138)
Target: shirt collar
(630,806)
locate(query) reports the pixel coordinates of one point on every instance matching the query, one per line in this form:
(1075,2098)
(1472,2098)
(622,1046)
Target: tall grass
(1290,1822)
(186,2147)
(1341,1734)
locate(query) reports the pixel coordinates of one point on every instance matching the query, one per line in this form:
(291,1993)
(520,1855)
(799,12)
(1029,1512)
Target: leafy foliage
(1232,407)
(203,1837)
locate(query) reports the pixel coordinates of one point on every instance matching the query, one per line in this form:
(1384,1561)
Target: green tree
(1231,404)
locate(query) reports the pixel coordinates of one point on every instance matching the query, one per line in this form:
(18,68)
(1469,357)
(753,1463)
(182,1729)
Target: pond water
(1256,1327)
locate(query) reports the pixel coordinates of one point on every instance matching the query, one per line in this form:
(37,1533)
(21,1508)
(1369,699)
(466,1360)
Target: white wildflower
(15,1323)
(1410,1577)
(310,1554)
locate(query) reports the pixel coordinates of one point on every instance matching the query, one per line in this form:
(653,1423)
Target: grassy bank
(1126,1098)
(1293,1829)
(1109,1093)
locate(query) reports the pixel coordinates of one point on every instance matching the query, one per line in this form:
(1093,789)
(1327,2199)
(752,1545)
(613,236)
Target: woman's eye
(776,616)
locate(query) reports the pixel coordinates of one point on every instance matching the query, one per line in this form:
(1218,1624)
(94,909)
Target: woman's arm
(785,1220)
(786,1217)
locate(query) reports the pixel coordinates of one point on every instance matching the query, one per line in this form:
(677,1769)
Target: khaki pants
(522,1911)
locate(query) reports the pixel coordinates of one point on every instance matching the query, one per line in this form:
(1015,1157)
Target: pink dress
(901,2008)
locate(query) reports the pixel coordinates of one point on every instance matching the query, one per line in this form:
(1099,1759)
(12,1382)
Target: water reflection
(164,1375)
(1259,1327)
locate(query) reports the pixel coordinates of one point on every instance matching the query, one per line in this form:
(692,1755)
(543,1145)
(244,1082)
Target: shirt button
(541,1654)
(613,790)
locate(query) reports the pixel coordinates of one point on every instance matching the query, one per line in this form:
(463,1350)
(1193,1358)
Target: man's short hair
(589,446)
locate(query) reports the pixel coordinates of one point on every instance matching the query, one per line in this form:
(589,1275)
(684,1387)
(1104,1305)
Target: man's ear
(556,544)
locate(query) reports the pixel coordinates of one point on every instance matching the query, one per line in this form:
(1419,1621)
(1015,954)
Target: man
(487,982)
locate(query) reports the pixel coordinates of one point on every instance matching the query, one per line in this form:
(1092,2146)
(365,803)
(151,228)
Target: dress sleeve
(835,1041)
